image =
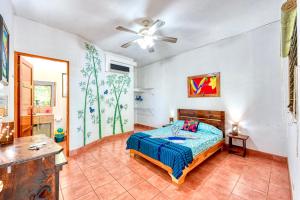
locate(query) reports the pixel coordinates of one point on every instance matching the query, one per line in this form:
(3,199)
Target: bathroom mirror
(44,93)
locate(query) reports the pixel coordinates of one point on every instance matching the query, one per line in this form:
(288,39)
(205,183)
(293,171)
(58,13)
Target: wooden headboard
(215,118)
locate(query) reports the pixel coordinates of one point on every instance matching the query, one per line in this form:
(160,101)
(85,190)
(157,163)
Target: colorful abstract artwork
(207,85)
(4,56)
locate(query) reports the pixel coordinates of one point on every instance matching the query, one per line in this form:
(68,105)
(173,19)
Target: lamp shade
(235,128)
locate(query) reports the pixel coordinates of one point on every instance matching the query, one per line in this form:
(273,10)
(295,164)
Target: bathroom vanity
(31,174)
(43,123)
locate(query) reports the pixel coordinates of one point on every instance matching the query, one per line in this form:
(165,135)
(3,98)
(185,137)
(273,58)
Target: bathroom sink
(42,114)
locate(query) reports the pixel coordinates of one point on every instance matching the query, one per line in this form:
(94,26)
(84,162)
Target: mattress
(197,142)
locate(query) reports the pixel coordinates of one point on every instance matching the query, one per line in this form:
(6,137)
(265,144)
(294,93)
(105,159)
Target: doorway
(42,97)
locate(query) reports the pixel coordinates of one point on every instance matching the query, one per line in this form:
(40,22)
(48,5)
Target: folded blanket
(173,155)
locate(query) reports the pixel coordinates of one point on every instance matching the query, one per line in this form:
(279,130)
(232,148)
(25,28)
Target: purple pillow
(190,125)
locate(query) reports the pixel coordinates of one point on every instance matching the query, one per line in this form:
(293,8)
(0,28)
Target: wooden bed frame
(215,118)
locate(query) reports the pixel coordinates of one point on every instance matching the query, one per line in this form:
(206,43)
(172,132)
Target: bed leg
(178,181)
(131,154)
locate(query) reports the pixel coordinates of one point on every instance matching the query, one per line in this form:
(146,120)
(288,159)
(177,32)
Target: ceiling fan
(147,35)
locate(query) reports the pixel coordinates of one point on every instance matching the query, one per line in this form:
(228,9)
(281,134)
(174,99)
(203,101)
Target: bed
(180,157)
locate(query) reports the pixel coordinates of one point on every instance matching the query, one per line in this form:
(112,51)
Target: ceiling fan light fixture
(146,42)
(147,35)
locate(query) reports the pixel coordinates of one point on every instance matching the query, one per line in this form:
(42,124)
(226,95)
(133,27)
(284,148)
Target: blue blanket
(173,155)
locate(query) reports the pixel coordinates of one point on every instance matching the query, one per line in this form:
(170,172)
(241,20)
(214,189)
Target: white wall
(6,10)
(126,99)
(51,71)
(251,84)
(39,39)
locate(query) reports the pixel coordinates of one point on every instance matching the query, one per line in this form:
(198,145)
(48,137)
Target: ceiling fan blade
(151,49)
(165,38)
(121,28)
(155,26)
(128,44)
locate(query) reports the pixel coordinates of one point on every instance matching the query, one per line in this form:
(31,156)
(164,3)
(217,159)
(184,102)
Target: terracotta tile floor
(106,171)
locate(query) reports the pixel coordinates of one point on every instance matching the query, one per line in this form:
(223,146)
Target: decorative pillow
(207,128)
(190,125)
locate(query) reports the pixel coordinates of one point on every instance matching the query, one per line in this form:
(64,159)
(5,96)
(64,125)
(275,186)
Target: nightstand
(232,148)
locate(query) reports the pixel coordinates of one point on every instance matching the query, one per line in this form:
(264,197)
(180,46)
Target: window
(293,73)
(44,93)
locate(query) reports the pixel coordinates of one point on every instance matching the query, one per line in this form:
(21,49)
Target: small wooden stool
(232,148)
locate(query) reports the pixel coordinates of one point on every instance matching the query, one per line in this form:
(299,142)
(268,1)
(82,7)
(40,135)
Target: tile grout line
(87,180)
(146,180)
(122,185)
(115,179)
(110,175)
(231,193)
(70,185)
(123,161)
(269,182)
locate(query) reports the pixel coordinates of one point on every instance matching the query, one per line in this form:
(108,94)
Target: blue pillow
(207,128)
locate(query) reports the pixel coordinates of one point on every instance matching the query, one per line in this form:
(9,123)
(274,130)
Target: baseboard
(107,139)
(267,155)
(138,125)
(97,142)
(249,151)
(252,152)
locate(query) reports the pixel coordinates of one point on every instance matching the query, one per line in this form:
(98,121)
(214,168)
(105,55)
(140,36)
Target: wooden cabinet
(34,179)
(31,174)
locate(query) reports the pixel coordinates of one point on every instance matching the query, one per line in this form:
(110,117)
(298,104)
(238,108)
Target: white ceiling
(194,22)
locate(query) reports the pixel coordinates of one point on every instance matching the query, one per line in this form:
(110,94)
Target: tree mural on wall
(118,86)
(92,100)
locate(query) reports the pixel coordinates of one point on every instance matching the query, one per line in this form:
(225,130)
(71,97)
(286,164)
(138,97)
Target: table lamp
(235,128)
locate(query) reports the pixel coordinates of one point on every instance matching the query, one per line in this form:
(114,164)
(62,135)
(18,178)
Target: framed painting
(4,52)
(206,85)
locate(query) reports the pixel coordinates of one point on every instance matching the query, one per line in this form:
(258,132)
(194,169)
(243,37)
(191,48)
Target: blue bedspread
(204,139)
(173,155)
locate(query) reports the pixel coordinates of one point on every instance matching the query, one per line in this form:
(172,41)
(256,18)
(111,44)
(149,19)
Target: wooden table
(31,174)
(232,148)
